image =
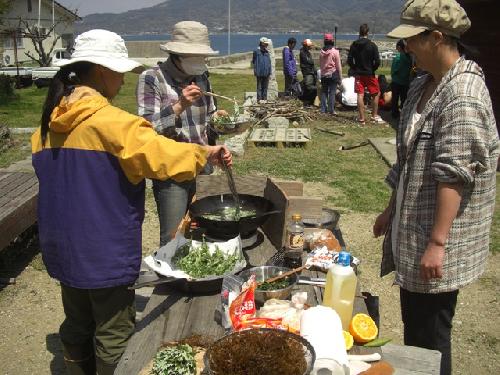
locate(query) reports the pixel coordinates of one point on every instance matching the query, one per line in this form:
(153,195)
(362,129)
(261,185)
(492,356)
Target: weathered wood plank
(15,221)
(15,197)
(412,360)
(15,187)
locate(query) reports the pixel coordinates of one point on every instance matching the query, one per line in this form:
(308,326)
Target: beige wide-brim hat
(417,16)
(104,48)
(189,38)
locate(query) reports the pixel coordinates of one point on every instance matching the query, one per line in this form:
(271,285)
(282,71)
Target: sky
(85,7)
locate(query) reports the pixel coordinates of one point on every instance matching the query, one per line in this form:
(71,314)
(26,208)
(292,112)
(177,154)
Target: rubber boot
(79,359)
(105,368)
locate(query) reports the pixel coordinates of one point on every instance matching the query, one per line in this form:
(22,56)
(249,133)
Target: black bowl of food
(260,351)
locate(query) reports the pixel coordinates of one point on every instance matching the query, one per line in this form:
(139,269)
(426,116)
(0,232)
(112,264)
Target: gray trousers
(172,202)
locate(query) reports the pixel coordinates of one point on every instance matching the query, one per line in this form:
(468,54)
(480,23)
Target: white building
(44,14)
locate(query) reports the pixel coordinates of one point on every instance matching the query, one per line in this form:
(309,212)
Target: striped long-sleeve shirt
(157,93)
(455,141)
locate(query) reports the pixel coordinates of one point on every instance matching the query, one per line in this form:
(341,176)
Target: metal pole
(39,11)
(229,28)
(335,39)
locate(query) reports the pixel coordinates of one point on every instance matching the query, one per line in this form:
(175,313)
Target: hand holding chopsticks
(219,155)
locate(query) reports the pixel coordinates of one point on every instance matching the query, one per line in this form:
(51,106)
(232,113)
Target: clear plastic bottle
(295,234)
(340,288)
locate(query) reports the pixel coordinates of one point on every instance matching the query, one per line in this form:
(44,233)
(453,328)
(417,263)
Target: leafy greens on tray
(199,262)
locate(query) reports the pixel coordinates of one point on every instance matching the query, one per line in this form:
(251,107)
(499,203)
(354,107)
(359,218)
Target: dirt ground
(31,310)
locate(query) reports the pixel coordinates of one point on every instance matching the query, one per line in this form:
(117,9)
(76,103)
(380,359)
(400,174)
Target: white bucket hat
(104,48)
(264,40)
(189,38)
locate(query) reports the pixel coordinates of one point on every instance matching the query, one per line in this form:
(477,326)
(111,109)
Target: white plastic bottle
(340,289)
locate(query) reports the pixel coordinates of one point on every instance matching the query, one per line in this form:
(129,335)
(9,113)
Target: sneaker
(377,119)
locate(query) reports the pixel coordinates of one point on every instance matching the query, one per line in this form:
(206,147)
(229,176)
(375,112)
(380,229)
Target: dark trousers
(309,90)
(328,91)
(399,92)
(427,322)
(288,84)
(98,322)
(262,84)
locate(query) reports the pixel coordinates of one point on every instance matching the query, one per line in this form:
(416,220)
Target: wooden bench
(18,204)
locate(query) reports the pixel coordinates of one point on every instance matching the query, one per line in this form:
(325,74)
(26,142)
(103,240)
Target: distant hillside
(257,15)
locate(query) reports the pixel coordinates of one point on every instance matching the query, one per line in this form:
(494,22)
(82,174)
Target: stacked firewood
(291,109)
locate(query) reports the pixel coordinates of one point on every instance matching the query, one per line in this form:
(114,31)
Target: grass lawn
(355,177)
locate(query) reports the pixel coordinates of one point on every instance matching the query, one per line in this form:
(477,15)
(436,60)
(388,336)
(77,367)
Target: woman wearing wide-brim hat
(437,224)
(170,95)
(91,159)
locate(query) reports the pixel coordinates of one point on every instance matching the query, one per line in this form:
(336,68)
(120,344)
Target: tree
(37,37)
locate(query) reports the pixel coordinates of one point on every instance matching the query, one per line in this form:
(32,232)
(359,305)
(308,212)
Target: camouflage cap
(417,16)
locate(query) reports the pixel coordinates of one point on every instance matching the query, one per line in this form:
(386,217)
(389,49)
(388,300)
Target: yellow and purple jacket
(91,174)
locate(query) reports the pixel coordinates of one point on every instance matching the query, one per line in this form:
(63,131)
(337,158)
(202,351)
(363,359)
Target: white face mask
(193,65)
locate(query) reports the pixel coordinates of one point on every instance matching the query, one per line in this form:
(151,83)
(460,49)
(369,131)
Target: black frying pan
(230,229)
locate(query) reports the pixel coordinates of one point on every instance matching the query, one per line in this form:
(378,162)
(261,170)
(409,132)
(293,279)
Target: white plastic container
(340,289)
(320,325)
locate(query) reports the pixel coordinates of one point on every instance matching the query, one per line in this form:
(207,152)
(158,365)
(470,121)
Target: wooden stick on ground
(330,132)
(343,148)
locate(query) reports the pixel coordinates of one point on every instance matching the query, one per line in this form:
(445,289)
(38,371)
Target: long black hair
(62,84)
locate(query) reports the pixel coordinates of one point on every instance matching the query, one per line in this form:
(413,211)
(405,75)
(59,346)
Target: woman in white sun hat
(170,95)
(91,159)
(437,224)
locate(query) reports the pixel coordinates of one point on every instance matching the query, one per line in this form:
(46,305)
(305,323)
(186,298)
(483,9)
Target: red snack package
(243,306)
(250,322)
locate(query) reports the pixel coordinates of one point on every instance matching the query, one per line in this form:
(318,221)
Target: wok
(231,228)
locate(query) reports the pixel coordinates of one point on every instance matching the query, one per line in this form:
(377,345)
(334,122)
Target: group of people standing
(363,61)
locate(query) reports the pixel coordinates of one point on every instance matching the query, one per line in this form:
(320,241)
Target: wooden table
(171,315)
(18,203)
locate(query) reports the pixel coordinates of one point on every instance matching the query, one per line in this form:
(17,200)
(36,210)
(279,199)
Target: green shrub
(6,87)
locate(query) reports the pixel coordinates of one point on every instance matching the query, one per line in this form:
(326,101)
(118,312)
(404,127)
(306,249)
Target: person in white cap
(437,224)
(261,62)
(308,73)
(171,96)
(91,160)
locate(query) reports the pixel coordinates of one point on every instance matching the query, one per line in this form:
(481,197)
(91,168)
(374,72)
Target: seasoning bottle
(340,288)
(295,234)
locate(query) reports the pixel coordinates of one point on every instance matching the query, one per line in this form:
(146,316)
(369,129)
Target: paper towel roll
(321,326)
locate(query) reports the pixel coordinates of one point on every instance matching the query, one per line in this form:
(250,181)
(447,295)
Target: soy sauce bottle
(294,242)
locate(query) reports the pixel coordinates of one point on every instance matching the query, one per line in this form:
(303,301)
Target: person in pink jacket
(331,74)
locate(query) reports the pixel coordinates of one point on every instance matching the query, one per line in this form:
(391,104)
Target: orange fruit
(363,328)
(348,339)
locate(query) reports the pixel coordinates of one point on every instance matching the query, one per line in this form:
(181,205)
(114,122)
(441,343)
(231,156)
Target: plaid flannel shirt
(456,141)
(157,93)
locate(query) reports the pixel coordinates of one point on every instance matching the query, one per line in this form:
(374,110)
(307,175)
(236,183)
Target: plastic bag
(323,237)
(243,307)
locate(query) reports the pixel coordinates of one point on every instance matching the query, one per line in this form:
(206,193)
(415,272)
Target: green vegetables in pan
(198,262)
(229,214)
(275,285)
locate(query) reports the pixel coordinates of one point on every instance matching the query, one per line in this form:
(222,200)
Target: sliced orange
(363,328)
(348,339)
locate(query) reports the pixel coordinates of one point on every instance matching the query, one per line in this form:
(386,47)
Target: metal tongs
(232,185)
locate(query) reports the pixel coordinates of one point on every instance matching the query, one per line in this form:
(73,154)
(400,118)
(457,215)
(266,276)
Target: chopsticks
(283,275)
(219,96)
